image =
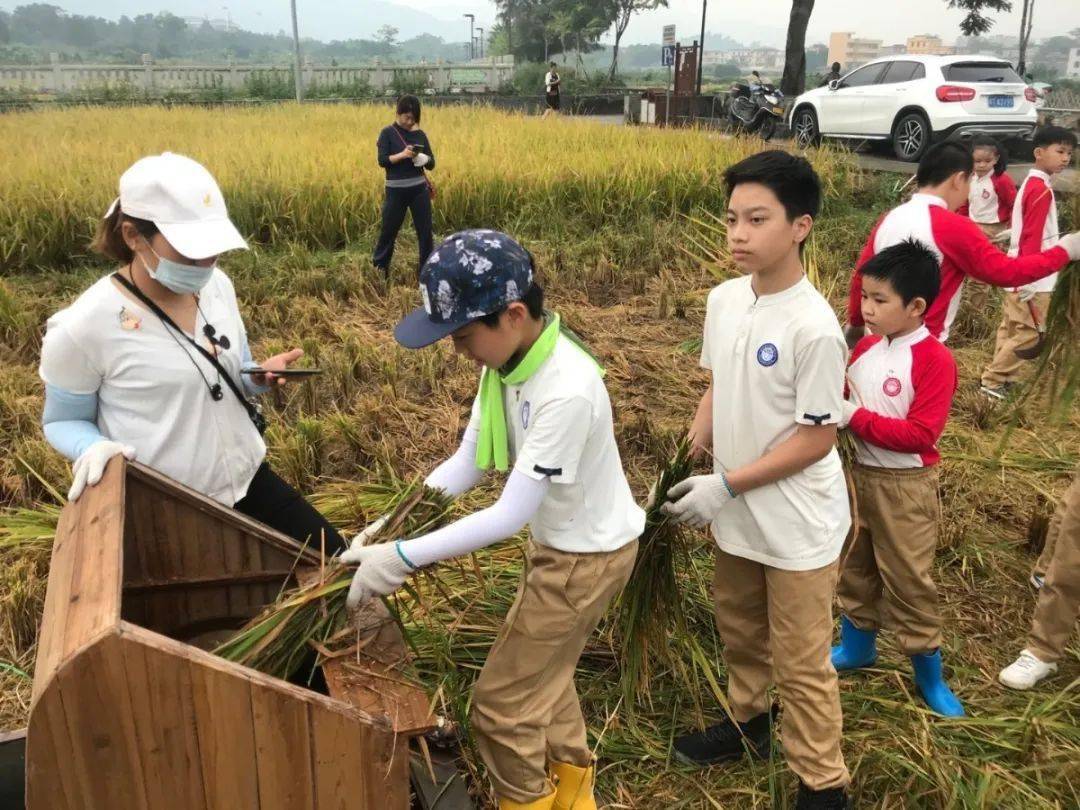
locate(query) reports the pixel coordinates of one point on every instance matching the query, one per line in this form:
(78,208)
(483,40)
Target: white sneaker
(1037,581)
(1025,671)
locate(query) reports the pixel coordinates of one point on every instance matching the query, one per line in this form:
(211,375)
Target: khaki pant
(1053,532)
(1017,330)
(525,707)
(777,623)
(977,292)
(886,577)
(1059,599)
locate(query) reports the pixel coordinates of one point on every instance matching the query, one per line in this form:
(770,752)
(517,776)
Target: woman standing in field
(152,362)
(405,153)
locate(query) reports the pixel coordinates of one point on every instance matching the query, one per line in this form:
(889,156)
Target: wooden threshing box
(126,715)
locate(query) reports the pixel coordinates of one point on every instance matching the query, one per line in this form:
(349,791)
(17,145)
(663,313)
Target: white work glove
(381,572)
(1071,243)
(847,410)
(697,500)
(90,466)
(367,535)
(1025,294)
(421,160)
(1003,238)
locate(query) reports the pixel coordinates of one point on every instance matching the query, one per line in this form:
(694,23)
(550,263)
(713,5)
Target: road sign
(669,35)
(667,55)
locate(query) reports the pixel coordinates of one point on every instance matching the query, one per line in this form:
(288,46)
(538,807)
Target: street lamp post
(701,49)
(480,38)
(472,35)
(297,74)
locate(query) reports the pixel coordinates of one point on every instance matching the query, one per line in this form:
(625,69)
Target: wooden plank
(146,586)
(162,704)
(379,690)
(211,562)
(106,752)
(48,726)
(95,579)
(226,739)
(283,750)
(140,508)
(233,552)
(344,778)
(57,602)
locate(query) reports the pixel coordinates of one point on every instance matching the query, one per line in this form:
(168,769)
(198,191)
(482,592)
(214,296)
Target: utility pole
(701,49)
(480,37)
(297,72)
(472,34)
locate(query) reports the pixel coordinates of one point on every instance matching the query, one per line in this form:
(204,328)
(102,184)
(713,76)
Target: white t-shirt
(549,82)
(559,426)
(149,394)
(983,200)
(777,362)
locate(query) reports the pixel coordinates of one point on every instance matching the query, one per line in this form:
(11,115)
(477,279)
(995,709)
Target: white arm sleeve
(458,473)
(516,506)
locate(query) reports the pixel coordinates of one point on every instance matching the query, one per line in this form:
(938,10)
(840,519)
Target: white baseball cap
(182,198)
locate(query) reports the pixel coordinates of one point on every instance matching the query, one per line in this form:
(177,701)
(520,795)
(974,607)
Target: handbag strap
(252,411)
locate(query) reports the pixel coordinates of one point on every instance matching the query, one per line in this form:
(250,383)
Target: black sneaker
(828,799)
(727,741)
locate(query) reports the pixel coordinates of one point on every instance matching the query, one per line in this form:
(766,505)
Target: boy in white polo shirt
(777,502)
(543,413)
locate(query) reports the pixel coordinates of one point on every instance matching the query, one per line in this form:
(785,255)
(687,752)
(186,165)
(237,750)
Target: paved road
(1067,182)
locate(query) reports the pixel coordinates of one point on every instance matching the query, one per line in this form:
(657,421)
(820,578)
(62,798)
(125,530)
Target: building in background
(747,59)
(928,45)
(851,51)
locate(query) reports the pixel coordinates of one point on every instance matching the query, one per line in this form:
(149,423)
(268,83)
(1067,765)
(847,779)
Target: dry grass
(640,303)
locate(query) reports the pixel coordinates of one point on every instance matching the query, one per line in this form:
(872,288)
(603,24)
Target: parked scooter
(756,107)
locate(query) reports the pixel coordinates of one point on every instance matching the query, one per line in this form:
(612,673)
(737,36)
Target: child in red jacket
(989,205)
(901,384)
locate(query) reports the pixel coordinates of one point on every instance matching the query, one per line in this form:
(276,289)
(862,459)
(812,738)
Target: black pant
(272,501)
(416,199)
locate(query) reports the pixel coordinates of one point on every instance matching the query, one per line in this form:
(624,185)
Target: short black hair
(552,64)
(1050,135)
(836,66)
(987,142)
(942,161)
(409,104)
(910,267)
(790,177)
(533,299)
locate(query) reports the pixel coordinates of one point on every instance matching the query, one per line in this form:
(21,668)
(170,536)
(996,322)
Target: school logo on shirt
(525,409)
(767,354)
(892,387)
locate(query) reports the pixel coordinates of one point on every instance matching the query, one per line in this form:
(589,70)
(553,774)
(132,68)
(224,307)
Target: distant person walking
(552,84)
(405,153)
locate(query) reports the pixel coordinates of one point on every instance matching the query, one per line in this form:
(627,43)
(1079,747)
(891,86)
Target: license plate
(1001,102)
(778,110)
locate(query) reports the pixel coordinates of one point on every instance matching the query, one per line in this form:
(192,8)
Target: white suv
(914,101)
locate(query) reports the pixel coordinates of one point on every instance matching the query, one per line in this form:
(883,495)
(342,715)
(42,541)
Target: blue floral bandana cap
(469,275)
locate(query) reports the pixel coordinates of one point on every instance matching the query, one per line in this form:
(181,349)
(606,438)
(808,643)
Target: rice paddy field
(622,224)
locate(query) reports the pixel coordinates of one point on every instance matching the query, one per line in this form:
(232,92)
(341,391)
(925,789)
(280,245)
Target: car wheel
(911,137)
(806,128)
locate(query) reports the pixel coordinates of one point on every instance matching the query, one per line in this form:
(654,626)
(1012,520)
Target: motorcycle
(756,107)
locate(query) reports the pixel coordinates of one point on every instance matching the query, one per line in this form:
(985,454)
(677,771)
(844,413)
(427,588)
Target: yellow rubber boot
(546,803)
(573,786)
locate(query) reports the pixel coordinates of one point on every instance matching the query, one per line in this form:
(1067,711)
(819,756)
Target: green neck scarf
(491,449)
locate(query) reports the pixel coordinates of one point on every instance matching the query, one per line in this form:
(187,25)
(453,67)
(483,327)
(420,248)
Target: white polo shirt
(149,394)
(559,426)
(777,361)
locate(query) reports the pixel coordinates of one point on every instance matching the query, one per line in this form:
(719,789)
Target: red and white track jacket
(1035,224)
(962,249)
(991,199)
(904,389)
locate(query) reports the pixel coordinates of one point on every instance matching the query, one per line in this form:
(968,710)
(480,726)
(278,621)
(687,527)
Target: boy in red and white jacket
(962,249)
(901,381)
(1034,229)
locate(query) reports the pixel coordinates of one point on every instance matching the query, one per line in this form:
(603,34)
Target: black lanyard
(252,410)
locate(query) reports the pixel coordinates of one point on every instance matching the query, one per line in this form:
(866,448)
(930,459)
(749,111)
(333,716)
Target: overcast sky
(746,20)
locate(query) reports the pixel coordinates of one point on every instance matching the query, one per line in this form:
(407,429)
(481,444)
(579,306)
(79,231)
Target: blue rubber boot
(932,686)
(857,648)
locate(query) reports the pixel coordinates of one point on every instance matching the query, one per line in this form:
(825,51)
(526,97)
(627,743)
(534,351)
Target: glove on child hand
(1071,243)
(90,466)
(367,535)
(381,572)
(698,500)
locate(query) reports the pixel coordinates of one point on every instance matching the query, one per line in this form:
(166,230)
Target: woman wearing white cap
(147,362)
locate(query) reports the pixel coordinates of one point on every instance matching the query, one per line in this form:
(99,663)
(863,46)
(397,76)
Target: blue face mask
(180,278)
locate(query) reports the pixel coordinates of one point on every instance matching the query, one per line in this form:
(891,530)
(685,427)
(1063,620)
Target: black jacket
(390,143)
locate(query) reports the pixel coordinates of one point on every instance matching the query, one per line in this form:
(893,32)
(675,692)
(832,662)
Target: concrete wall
(480,75)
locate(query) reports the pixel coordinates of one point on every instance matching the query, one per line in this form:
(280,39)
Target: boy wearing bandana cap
(543,415)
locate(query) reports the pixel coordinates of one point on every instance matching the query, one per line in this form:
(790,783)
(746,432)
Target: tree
(1026,21)
(975,23)
(624,10)
(794,78)
(388,36)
